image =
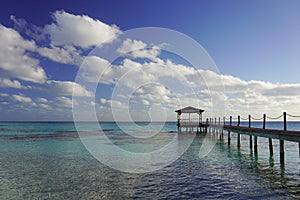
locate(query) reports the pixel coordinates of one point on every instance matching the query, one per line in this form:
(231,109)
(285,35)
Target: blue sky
(255,44)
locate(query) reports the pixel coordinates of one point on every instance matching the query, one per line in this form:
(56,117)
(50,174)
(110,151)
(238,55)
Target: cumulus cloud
(4,98)
(45,106)
(64,55)
(79,30)
(140,84)
(93,69)
(31,30)
(131,73)
(64,102)
(7,83)
(169,84)
(14,61)
(113,103)
(65,88)
(282,90)
(138,49)
(154,88)
(19,63)
(42,100)
(22,98)
(177,84)
(58,40)
(129,45)
(151,94)
(162,83)
(3,95)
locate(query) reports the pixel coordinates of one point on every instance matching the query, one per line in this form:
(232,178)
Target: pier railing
(250,119)
(281,134)
(189,122)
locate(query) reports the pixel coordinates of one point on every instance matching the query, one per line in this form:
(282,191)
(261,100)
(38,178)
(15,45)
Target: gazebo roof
(189,109)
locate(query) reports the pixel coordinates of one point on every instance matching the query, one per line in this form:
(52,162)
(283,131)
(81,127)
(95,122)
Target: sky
(254,45)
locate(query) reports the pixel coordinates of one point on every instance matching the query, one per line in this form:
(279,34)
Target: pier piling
(281,152)
(282,141)
(250,137)
(255,132)
(255,145)
(249,119)
(271,146)
(264,121)
(284,121)
(229,138)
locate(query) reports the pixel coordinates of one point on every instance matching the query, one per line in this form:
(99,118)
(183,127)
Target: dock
(255,132)
(211,125)
(191,123)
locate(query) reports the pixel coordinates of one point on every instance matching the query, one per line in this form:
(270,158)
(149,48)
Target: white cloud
(145,102)
(103,101)
(45,106)
(132,73)
(65,88)
(161,83)
(93,69)
(113,103)
(151,94)
(21,98)
(14,61)
(79,30)
(64,102)
(4,98)
(7,83)
(138,49)
(142,85)
(154,89)
(3,95)
(172,85)
(129,45)
(65,55)
(33,31)
(42,100)
(283,90)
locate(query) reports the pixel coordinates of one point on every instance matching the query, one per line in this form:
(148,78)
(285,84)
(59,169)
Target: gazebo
(190,123)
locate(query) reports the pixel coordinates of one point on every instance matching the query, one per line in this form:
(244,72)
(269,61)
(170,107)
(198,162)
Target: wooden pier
(254,132)
(190,123)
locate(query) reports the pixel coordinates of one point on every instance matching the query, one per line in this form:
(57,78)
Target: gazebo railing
(189,122)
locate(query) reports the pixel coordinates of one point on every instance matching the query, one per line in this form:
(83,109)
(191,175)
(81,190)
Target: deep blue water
(49,161)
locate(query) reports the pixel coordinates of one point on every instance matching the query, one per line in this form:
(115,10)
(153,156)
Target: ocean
(47,160)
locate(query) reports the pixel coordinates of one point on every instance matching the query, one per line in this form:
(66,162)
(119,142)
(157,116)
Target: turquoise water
(48,161)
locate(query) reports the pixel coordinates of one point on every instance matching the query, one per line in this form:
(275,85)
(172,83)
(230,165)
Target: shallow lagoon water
(48,161)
